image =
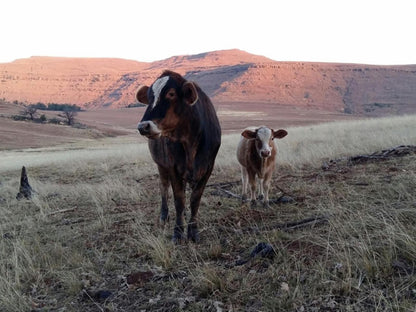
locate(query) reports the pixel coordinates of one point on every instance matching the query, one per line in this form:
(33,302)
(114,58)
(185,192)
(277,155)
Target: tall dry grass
(94,218)
(311,145)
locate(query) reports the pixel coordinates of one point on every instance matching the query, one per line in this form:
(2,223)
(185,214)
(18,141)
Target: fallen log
(289,226)
(398,151)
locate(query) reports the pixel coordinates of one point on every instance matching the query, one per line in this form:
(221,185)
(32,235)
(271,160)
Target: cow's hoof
(163,220)
(178,235)
(253,203)
(193,233)
(261,197)
(266,204)
(244,198)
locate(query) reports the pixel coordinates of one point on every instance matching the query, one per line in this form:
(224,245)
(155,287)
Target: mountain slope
(227,76)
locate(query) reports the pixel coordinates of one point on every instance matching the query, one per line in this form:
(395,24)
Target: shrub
(42,118)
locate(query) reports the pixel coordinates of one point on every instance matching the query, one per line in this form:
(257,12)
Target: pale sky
(348,31)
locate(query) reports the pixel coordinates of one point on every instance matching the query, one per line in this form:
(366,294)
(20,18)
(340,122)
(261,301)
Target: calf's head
(263,137)
(166,99)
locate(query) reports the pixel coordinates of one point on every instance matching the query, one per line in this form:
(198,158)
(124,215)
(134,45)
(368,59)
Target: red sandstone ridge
(227,76)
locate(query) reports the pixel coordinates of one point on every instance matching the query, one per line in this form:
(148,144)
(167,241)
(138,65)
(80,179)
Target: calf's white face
(264,142)
(264,139)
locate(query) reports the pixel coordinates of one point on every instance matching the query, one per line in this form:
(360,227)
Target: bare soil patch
(123,122)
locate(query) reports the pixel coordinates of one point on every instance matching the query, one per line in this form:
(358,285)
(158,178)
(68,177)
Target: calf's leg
(261,189)
(244,180)
(252,182)
(266,186)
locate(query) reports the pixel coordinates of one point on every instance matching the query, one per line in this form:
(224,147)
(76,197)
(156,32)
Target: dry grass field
(89,239)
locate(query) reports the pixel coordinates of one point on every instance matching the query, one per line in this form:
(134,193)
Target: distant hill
(231,76)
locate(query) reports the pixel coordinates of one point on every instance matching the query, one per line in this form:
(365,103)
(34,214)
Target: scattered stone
(285,199)
(284,286)
(7,236)
(138,279)
(155,300)
(99,295)
(25,190)
(263,250)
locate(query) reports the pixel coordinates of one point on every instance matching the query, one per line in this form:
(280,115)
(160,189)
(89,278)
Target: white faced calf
(256,153)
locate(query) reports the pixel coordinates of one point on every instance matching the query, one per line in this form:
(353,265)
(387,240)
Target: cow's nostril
(265,153)
(143,128)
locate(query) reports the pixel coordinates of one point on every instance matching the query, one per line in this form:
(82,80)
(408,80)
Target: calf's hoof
(266,204)
(193,233)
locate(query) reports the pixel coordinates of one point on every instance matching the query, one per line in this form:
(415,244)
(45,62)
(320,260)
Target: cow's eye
(171,94)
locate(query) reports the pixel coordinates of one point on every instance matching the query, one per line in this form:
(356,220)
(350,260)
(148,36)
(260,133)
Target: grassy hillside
(89,239)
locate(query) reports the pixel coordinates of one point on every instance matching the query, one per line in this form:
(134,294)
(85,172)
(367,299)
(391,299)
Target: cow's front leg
(252,182)
(261,189)
(266,187)
(178,188)
(164,191)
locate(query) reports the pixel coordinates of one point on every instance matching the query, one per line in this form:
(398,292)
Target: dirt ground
(102,123)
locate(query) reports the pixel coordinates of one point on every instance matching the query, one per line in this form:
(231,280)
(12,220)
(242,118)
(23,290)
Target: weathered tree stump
(25,190)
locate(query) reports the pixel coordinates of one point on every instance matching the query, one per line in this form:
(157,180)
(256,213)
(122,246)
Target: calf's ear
(279,134)
(189,92)
(249,134)
(141,95)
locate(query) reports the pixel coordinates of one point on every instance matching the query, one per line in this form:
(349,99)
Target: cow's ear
(249,134)
(279,134)
(189,92)
(141,95)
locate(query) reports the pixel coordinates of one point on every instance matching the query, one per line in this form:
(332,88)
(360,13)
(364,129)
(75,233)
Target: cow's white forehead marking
(157,88)
(263,134)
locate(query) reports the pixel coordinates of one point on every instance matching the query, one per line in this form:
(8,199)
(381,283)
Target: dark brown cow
(256,153)
(184,138)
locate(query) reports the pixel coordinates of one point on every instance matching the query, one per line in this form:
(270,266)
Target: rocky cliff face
(227,76)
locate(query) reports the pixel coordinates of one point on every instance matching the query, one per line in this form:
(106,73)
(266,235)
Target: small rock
(284,286)
(98,295)
(155,300)
(25,189)
(139,278)
(263,250)
(7,236)
(285,199)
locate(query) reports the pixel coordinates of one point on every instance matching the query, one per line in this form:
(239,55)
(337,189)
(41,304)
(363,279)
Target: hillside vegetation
(343,238)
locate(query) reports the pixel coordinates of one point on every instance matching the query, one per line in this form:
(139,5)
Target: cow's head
(264,139)
(167,98)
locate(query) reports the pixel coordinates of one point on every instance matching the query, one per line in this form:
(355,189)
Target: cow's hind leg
(164,191)
(195,200)
(252,182)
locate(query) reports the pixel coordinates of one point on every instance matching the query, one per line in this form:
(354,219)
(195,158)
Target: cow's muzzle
(148,129)
(265,153)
